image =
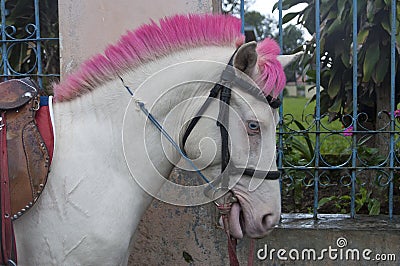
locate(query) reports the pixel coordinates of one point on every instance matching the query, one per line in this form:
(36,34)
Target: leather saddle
(27,155)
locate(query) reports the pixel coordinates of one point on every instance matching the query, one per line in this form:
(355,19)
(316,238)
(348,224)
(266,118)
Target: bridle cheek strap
(213,94)
(223,124)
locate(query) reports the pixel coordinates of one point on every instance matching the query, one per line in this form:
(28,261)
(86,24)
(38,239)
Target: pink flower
(349,131)
(397,113)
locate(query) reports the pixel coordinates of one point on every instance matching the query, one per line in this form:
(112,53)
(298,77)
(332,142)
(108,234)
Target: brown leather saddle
(27,155)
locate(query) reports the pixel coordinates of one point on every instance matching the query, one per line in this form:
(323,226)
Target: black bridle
(229,77)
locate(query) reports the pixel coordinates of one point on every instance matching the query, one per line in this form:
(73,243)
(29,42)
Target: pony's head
(250,122)
(257,79)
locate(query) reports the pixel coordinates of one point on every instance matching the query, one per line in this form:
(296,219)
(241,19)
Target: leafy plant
(373,58)
(340,203)
(363,198)
(299,151)
(20,24)
(298,147)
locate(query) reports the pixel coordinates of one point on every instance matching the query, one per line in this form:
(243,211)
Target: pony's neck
(107,113)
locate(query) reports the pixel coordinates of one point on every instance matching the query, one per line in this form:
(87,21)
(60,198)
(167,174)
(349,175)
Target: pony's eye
(253,125)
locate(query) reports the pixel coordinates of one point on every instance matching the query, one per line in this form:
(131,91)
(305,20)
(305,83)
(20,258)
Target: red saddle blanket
(44,122)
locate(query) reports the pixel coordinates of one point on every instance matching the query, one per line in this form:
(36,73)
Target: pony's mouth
(236,221)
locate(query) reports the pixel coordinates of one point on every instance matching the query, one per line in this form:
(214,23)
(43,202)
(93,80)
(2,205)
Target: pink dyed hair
(154,40)
(272,78)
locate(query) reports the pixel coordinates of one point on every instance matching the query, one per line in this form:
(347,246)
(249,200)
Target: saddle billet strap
(8,247)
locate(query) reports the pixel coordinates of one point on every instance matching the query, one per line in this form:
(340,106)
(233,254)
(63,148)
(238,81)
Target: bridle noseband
(228,78)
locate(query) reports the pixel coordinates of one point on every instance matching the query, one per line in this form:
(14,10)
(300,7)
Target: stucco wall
(336,239)
(87,26)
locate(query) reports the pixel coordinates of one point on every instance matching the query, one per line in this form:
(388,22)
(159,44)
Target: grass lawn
(332,140)
(297,107)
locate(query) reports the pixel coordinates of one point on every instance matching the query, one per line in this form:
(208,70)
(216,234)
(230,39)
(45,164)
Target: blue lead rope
(174,144)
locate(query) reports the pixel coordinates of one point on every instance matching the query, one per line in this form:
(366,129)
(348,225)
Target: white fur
(91,205)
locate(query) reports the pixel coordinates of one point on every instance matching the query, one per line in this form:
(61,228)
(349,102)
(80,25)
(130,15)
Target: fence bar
(318,105)
(355,113)
(30,40)
(280,129)
(280,25)
(242,15)
(4,37)
(38,44)
(392,102)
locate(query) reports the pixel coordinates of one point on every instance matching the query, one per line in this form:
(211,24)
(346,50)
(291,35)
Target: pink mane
(155,40)
(272,78)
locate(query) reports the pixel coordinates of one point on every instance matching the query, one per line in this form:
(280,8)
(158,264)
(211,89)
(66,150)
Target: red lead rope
(8,248)
(225,209)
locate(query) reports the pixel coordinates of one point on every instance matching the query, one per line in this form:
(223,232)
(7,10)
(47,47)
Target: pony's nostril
(265,221)
(268,221)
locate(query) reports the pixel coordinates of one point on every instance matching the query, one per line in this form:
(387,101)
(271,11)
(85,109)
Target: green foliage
(340,203)
(298,148)
(264,25)
(292,38)
(296,190)
(299,144)
(21,16)
(363,198)
(336,51)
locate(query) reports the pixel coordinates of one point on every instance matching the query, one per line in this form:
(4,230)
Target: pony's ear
(286,60)
(246,58)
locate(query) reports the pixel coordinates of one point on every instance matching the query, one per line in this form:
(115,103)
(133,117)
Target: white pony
(109,160)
